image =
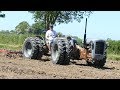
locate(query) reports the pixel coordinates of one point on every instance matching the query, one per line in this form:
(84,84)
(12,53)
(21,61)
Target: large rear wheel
(31,48)
(60,52)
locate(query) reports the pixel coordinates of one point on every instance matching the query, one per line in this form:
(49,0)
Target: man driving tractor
(50,35)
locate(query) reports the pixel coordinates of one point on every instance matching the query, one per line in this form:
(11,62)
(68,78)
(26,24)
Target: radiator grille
(99,49)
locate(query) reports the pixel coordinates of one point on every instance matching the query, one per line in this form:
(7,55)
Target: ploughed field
(14,66)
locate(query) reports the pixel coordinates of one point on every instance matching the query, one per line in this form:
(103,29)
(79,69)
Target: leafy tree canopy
(53,17)
(22,27)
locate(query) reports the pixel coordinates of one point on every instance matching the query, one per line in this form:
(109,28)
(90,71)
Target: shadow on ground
(45,60)
(103,68)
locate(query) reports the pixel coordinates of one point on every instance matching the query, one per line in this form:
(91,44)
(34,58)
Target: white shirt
(51,34)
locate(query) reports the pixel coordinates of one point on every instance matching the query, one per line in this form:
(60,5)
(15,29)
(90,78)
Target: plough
(10,53)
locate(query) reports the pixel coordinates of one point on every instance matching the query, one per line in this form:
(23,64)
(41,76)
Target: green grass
(11,47)
(13,38)
(12,41)
(113,57)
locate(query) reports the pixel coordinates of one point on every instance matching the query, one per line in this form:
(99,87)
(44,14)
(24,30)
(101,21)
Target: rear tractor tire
(60,52)
(32,48)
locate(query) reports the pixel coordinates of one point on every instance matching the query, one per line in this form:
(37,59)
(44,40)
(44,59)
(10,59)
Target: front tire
(60,52)
(97,63)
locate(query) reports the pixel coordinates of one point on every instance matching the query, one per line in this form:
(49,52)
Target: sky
(100,25)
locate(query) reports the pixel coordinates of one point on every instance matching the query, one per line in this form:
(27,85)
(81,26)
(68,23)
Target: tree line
(12,37)
(114,46)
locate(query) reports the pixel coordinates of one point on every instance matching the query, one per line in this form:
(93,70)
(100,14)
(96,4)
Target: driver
(50,35)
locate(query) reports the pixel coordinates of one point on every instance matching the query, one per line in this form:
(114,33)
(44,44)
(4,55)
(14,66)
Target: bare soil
(16,67)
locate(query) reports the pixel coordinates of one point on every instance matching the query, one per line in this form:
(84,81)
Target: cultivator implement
(10,53)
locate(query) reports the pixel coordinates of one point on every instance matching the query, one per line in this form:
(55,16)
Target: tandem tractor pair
(64,49)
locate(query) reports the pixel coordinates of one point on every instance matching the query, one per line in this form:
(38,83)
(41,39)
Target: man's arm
(56,34)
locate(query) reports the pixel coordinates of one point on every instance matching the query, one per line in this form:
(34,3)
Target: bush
(114,47)
(113,57)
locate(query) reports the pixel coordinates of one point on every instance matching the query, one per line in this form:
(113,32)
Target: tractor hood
(94,40)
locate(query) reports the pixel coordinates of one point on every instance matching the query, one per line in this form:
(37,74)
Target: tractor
(64,49)
(36,47)
(94,51)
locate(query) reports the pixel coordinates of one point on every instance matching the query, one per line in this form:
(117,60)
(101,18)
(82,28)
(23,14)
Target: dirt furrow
(19,68)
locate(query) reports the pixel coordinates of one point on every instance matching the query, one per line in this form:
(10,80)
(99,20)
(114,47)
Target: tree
(60,34)
(5,31)
(109,39)
(12,31)
(37,27)
(52,17)
(2,15)
(22,27)
(29,30)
